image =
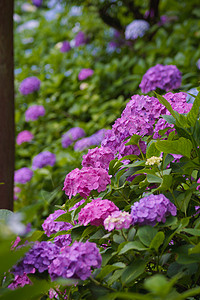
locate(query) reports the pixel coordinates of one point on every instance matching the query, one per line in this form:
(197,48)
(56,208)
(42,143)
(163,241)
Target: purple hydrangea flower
(19,281)
(82,144)
(50,226)
(85,73)
(34,112)
(97,137)
(72,135)
(39,257)
(163,77)
(96,212)
(85,180)
(29,85)
(43,159)
(24,136)
(37,2)
(118,220)
(80,39)
(23,175)
(65,47)
(76,261)
(98,158)
(152,209)
(136,29)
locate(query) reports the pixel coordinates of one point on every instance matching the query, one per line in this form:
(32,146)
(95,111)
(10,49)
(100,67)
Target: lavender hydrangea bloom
(50,226)
(85,73)
(34,112)
(82,144)
(65,47)
(136,29)
(24,136)
(98,158)
(29,85)
(163,77)
(72,135)
(43,159)
(97,137)
(80,39)
(23,175)
(194,92)
(37,2)
(152,209)
(19,281)
(39,257)
(118,220)
(76,261)
(85,180)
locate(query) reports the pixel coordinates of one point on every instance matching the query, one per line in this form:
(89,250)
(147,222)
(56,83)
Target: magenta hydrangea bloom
(19,281)
(98,158)
(77,205)
(23,175)
(163,77)
(96,212)
(198,187)
(80,39)
(72,135)
(24,136)
(39,257)
(29,85)
(118,220)
(50,226)
(76,261)
(65,47)
(152,209)
(85,73)
(136,29)
(85,180)
(34,112)
(37,3)
(43,159)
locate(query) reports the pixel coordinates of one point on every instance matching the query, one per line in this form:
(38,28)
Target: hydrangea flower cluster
(94,139)
(118,220)
(24,136)
(154,160)
(72,135)
(82,144)
(65,47)
(85,180)
(38,257)
(96,212)
(50,226)
(98,158)
(37,2)
(23,175)
(80,39)
(163,77)
(76,261)
(85,73)
(179,103)
(152,209)
(29,85)
(34,112)
(19,281)
(136,29)
(43,159)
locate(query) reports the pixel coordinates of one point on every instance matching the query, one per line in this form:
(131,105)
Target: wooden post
(7,139)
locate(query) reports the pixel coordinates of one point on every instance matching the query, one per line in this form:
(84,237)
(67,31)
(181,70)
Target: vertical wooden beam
(7,139)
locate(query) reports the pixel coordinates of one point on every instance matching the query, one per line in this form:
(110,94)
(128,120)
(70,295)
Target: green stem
(123,235)
(141,151)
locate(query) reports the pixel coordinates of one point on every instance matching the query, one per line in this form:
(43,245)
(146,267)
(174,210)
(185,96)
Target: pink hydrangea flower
(118,220)
(198,187)
(96,212)
(85,73)
(98,158)
(19,281)
(24,136)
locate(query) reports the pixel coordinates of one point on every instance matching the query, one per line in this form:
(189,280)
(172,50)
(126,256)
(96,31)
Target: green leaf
(194,112)
(135,245)
(64,218)
(195,249)
(134,140)
(181,146)
(153,178)
(152,150)
(107,270)
(146,234)
(183,200)
(131,233)
(166,183)
(133,271)
(192,231)
(163,101)
(157,241)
